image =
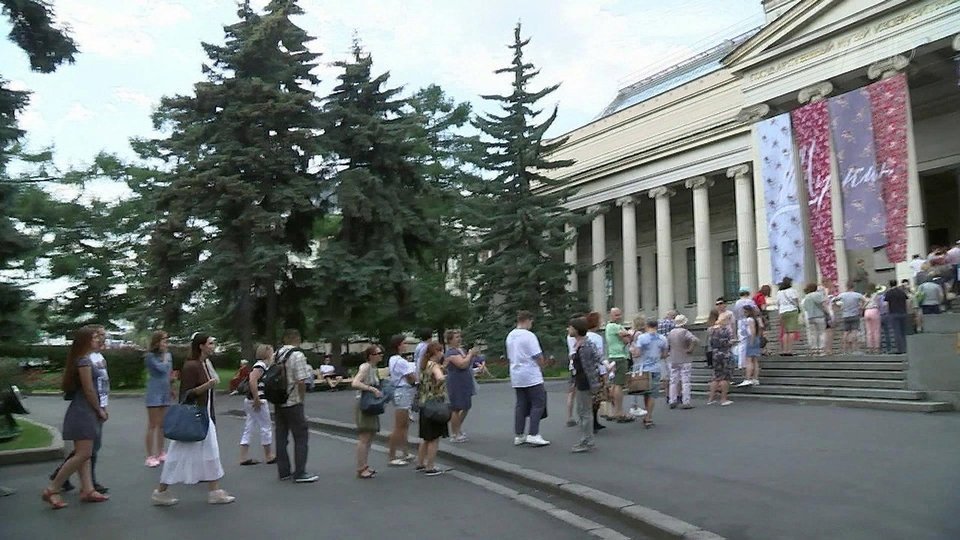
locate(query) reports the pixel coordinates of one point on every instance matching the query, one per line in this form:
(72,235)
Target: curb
(646,520)
(54,452)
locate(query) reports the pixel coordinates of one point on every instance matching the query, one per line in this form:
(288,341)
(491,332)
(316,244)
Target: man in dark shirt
(896,299)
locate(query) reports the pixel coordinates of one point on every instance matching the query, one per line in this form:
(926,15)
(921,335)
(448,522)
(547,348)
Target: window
(608,283)
(731,270)
(691,275)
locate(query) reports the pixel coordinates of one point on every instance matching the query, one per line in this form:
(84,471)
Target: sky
(133,52)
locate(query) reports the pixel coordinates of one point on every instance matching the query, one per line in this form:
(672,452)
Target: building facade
(672,168)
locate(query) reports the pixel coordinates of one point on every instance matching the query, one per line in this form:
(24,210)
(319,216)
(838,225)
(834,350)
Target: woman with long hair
(366,380)
(403,375)
(159,396)
(871,319)
(82,420)
(193,462)
(256,409)
(432,387)
(460,385)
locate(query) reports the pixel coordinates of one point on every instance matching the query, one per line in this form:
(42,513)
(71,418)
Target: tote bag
(186,421)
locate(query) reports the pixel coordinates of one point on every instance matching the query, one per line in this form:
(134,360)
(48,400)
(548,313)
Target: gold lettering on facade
(854,37)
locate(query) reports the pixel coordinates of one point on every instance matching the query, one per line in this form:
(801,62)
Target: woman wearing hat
(682,343)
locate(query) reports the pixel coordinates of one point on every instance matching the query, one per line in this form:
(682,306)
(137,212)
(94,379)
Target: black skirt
(431,430)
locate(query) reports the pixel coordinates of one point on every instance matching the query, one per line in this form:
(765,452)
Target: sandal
(249,462)
(366,473)
(52,498)
(271,461)
(647,424)
(94,497)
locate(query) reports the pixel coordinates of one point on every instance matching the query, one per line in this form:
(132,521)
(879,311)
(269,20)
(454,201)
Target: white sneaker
(537,440)
(519,440)
(712,402)
(745,382)
(638,412)
(219,496)
(725,403)
(163,498)
(756,382)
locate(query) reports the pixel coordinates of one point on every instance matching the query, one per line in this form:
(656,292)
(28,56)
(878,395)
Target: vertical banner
(778,170)
(811,127)
(864,223)
(890,100)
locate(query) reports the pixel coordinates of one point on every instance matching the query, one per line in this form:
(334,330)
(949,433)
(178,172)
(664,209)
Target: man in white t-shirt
(525,355)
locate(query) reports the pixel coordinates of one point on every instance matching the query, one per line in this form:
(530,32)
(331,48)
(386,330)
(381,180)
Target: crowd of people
(435,387)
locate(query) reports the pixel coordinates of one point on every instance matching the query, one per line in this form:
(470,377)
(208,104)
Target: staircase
(876,381)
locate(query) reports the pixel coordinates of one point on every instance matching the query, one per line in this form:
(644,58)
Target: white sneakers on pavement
(163,498)
(638,412)
(519,440)
(219,496)
(726,403)
(745,382)
(537,440)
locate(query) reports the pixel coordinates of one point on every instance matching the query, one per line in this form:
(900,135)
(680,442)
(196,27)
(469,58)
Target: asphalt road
(748,471)
(398,504)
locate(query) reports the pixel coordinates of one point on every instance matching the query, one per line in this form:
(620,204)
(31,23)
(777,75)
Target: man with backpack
(290,367)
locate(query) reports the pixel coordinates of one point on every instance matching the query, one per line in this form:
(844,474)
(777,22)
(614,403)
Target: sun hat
(680,320)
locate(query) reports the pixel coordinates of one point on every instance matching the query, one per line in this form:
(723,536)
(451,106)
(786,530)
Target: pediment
(805,22)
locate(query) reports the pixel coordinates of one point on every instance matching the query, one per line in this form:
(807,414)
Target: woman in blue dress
(159,363)
(81,422)
(460,387)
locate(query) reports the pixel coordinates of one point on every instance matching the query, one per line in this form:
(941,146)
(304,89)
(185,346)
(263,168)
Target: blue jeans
(898,327)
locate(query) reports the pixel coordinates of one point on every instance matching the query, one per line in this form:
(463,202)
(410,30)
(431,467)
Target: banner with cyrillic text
(851,122)
(811,127)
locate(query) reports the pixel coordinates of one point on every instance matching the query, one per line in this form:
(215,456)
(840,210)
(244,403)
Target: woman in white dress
(193,462)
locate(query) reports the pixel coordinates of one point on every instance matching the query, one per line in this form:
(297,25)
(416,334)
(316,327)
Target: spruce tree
(47,47)
(242,148)
(517,211)
(365,272)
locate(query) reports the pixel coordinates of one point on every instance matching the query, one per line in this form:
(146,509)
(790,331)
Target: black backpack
(275,387)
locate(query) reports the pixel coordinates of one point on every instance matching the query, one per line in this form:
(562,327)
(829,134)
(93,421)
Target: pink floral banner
(889,101)
(811,128)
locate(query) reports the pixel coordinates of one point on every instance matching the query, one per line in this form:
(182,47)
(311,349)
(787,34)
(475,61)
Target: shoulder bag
(186,421)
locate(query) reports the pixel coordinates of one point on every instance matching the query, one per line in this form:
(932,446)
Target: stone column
(570,257)
(631,306)
(598,286)
(746,226)
(812,94)
(916,225)
(701,237)
(751,115)
(664,248)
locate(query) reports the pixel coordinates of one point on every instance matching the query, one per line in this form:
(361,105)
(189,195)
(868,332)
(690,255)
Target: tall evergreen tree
(519,214)
(364,274)
(47,47)
(242,148)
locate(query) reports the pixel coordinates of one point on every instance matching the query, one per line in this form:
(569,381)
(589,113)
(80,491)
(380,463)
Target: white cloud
(79,113)
(121,29)
(135,97)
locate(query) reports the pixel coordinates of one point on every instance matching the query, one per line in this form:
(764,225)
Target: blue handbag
(186,421)
(371,404)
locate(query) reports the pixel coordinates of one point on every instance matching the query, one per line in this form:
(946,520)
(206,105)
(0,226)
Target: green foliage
(242,192)
(520,216)
(33,30)
(363,281)
(32,436)
(125,366)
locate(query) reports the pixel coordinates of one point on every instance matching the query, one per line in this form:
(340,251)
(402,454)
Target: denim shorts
(403,396)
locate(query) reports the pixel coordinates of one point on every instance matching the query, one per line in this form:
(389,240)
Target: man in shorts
(851,311)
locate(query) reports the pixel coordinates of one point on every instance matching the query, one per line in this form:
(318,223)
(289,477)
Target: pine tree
(47,47)
(519,215)
(243,147)
(364,274)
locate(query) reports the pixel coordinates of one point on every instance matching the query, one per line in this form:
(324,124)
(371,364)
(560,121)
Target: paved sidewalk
(398,505)
(751,470)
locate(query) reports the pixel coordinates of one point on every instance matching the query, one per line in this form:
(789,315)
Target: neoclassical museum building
(827,136)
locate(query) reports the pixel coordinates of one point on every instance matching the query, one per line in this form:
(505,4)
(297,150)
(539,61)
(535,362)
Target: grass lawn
(33,436)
